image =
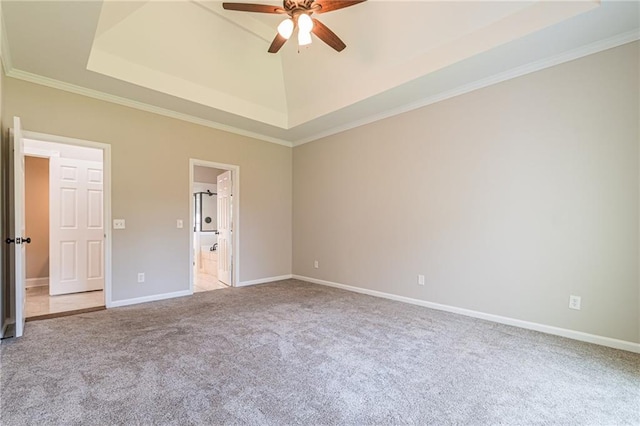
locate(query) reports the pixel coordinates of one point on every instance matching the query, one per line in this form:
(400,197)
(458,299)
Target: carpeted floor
(297,353)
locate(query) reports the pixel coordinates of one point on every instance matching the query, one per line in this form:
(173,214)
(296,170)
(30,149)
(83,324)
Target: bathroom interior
(205,241)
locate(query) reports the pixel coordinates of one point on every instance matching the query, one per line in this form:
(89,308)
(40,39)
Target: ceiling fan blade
(325,34)
(277,43)
(329,5)
(250,7)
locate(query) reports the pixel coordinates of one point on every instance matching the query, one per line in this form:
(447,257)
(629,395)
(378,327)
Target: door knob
(18,240)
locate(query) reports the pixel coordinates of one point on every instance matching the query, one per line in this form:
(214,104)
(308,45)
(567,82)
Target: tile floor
(206,282)
(40,303)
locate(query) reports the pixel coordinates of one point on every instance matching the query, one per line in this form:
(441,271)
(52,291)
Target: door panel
(68,261)
(68,208)
(19,227)
(69,173)
(224,227)
(77,226)
(94,209)
(94,258)
(94,176)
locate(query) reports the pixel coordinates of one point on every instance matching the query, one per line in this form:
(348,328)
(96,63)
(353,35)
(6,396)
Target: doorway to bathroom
(214,189)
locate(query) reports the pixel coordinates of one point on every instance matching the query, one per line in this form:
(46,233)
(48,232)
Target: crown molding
(551,61)
(5,53)
(95,94)
(570,55)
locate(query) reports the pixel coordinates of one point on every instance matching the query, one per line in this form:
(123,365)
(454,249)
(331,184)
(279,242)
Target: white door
(19,234)
(224,227)
(76,241)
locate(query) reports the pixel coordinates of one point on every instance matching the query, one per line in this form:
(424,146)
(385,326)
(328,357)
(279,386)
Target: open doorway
(64,218)
(214,209)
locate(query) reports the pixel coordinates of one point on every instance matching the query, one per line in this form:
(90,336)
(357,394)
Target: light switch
(118,224)
(179,224)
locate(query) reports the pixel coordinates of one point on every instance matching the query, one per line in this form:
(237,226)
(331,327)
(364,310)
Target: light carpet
(297,353)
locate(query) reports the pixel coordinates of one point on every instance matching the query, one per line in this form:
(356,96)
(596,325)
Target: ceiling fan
(299,16)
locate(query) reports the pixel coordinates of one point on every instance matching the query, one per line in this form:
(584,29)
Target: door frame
(235,213)
(106,167)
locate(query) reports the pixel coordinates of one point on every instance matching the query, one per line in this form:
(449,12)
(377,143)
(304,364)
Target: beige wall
(508,199)
(36,186)
(150,185)
(206,174)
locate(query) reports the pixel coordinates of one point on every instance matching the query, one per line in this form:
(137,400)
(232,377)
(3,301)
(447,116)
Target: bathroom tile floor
(206,282)
(38,301)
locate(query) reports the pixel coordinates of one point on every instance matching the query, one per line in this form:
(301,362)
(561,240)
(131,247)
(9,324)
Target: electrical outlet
(574,302)
(140,277)
(118,224)
(420,279)
(179,224)
(316,265)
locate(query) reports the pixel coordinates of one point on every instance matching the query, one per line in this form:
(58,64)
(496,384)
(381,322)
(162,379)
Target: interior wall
(37,216)
(150,185)
(206,174)
(508,199)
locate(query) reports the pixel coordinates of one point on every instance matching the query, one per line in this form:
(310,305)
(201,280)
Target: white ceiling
(195,61)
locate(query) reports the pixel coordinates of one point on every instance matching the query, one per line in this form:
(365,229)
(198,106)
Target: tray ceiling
(198,60)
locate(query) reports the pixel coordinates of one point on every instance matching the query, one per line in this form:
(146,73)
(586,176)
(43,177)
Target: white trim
(36,282)
(561,58)
(152,298)
(106,160)
(264,280)
(570,55)
(39,152)
(96,94)
(235,206)
(556,331)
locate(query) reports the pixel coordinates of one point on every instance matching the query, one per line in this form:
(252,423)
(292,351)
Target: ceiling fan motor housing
(297,4)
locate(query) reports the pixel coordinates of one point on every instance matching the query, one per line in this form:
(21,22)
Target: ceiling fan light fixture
(305,23)
(285,29)
(299,16)
(304,38)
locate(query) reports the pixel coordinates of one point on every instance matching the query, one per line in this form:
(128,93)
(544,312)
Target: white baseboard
(264,280)
(36,282)
(145,299)
(557,331)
